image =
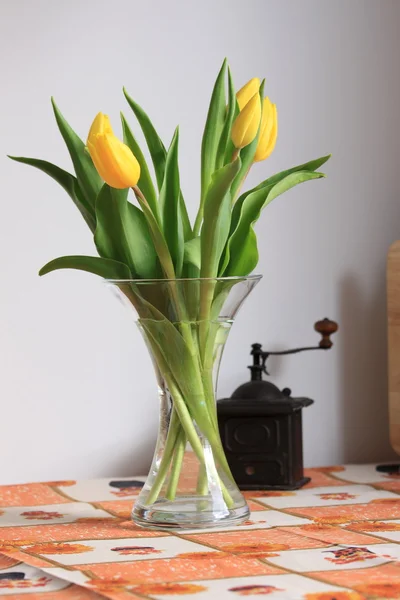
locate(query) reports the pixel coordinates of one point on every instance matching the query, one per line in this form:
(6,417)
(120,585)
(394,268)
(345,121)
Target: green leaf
(67,181)
(213,130)
(145,182)
(217,213)
(211,136)
(122,233)
(247,155)
(170,206)
(311,165)
(247,260)
(89,180)
(158,155)
(242,245)
(192,252)
(225,257)
(231,113)
(187,228)
(230,146)
(156,148)
(104,267)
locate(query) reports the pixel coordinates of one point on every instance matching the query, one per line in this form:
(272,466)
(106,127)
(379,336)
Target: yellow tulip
(100,125)
(114,161)
(247,92)
(246,124)
(268,131)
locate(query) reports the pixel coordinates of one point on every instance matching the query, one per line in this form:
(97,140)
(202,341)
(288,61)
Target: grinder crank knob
(326,328)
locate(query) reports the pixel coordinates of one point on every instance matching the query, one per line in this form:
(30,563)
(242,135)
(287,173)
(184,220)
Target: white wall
(78,397)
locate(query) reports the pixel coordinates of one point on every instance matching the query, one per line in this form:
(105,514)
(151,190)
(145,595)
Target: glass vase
(185,324)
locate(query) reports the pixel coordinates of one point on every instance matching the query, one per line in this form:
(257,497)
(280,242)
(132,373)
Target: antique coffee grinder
(261,426)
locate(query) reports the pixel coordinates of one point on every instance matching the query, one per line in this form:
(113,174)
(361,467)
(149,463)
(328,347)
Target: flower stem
(185,419)
(157,235)
(194,406)
(194,440)
(235,154)
(202,484)
(173,431)
(177,460)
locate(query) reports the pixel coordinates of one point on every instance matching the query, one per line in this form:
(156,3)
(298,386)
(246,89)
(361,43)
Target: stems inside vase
(190,480)
(184,426)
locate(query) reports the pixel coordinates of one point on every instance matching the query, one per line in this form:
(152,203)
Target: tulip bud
(114,161)
(246,124)
(100,125)
(268,131)
(247,92)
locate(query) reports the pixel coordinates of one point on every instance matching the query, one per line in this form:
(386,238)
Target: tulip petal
(268,143)
(119,167)
(101,166)
(101,124)
(274,133)
(246,156)
(267,122)
(246,124)
(247,92)
(126,160)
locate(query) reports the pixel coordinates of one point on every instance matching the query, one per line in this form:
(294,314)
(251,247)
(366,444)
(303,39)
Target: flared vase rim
(255,277)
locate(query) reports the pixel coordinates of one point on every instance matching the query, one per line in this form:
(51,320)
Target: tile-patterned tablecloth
(336,539)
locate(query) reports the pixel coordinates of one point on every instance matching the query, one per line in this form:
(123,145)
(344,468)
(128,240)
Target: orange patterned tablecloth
(336,539)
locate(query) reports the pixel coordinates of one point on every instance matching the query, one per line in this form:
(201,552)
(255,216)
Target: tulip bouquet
(142,232)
